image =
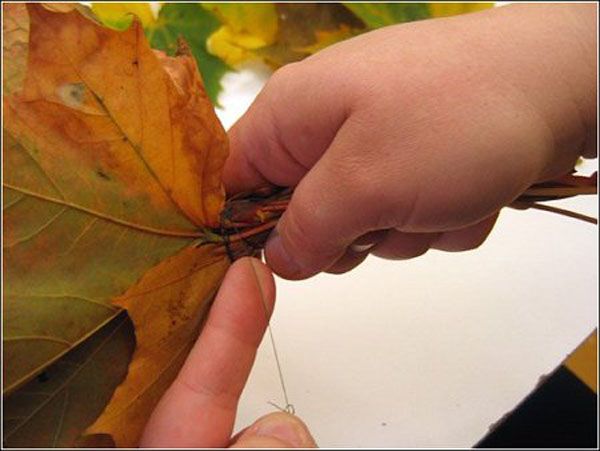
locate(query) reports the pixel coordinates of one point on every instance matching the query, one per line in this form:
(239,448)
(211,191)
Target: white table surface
(427,352)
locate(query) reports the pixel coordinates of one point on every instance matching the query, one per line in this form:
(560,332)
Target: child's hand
(415,136)
(198,410)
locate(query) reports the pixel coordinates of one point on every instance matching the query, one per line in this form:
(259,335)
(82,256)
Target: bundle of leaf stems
(248,218)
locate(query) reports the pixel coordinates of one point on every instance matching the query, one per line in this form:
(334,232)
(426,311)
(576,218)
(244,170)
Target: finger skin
(199,408)
(275,430)
(350,260)
(398,245)
(284,133)
(327,212)
(395,245)
(415,128)
(465,239)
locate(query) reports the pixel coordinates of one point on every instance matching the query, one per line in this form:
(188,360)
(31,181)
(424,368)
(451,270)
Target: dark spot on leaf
(72,94)
(43,377)
(96,441)
(135,63)
(100,173)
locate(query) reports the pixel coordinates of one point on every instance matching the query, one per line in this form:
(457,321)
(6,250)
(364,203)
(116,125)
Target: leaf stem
(560,191)
(251,232)
(559,211)
(281,207)
(106,217)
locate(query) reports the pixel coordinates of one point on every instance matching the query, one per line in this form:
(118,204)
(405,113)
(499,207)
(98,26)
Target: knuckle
(282,79)
(460,241)
(395,253)
(474,242)
(400,246)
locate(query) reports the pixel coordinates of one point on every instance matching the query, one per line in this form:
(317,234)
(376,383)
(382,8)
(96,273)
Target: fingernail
(286,428)
(361,247)
(279,258)
(259,273)
(255,269)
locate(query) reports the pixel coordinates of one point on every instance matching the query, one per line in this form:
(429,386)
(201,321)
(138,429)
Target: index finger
(199,408)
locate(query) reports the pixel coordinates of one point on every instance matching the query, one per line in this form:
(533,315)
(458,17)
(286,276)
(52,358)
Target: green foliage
(119,15)
(194,24)
(222,35)
(376,15)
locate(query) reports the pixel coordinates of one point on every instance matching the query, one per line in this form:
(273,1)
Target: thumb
(313,232)
(276,430)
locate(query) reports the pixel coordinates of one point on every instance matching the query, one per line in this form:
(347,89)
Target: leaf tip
(183,48)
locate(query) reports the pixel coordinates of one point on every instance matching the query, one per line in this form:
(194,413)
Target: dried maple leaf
(53,409)
(166,306)
(188,20)
(112,200)
(194,24)
(15,35)
(112,163)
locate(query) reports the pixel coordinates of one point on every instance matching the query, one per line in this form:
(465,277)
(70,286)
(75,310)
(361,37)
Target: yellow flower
(442,9)
(246,27)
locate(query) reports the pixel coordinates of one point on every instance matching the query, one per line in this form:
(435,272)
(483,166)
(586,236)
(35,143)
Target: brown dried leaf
(15,36)
(112,163)
(167,307)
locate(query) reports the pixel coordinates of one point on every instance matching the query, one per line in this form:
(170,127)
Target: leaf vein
(39,166)
(36,232)
(61,419)
(33,393)
(81,234)
(122,222)
(60,296)
(9,389)
(157,376)
(171,282)
(38,338)
(135,147)
(138,150)
(67,381)
(8,205)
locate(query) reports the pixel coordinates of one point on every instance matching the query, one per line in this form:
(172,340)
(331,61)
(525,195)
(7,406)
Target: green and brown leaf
(116,234)
(53,409)
(15,38)
(194,24)
(112,163)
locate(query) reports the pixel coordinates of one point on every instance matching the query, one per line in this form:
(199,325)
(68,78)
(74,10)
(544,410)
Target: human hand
(199,408)
(415,136)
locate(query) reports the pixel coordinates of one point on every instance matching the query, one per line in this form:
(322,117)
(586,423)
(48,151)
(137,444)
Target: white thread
(289,408)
